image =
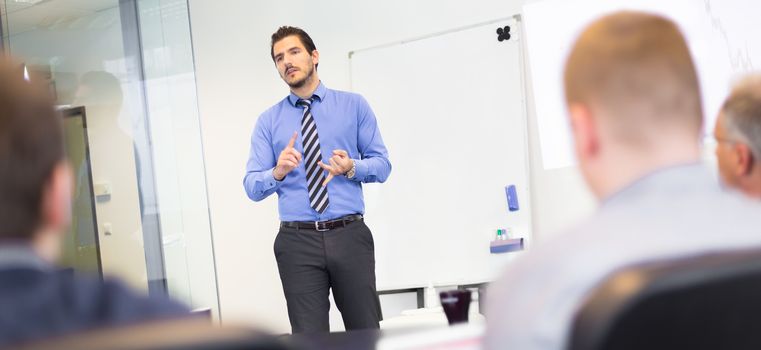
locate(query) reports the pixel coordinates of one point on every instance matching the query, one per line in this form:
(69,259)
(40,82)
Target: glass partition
(129,65)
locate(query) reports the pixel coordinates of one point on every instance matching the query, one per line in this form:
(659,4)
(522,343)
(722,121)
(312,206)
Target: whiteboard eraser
(512,198)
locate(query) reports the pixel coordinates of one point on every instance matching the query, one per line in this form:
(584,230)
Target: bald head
(633,98)
(636,70)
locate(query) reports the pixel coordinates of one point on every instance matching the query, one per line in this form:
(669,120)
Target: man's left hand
(340,163)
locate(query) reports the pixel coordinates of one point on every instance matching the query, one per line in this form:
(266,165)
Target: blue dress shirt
(344,121)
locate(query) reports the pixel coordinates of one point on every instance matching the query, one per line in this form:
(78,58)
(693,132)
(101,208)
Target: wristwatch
(350,174)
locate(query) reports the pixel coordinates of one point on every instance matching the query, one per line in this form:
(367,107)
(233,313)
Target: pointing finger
(327,179)
(293,139)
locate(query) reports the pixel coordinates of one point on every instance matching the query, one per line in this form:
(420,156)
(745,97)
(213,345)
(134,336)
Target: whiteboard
(722,35)
(450,107)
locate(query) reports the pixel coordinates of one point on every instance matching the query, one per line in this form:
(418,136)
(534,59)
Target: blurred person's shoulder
(116,302)
(92,299)
(42,303)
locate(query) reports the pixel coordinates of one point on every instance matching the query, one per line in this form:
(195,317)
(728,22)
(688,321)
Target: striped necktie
(318,194)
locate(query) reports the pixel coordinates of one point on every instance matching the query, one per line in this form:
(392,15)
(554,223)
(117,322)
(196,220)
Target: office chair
(712,301)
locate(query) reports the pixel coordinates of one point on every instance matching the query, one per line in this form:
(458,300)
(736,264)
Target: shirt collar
(319,93)
(670,178)
(15,255)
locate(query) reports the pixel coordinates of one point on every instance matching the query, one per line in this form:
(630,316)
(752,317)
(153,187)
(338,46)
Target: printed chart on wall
(451,111)
(721,34)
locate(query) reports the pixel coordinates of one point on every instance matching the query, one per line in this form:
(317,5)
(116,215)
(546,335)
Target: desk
(419,290)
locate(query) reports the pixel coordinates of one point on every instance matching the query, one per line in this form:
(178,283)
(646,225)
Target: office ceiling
(25,15)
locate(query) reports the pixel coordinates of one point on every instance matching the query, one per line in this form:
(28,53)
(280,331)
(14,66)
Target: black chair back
(711,301)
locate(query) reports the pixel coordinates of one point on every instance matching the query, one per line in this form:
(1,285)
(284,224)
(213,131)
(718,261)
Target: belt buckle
(317,227)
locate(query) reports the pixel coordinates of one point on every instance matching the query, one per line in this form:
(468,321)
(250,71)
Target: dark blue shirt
(39,302)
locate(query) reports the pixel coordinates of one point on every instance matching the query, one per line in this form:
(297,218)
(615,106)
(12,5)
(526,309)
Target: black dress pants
(311,262)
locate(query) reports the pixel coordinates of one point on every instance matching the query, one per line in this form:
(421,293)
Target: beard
(301,82)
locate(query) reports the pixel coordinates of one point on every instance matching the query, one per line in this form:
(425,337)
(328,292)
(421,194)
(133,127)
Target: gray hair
(742,112)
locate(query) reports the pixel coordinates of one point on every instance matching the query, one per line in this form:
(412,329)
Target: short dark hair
(286,31)
(31,146)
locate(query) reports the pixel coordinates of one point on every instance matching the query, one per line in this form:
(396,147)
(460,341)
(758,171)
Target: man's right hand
(289,159)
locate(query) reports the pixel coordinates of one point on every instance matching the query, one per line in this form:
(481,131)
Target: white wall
(237,81)
(560,196)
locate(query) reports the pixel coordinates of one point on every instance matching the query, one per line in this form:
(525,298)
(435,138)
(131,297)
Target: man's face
(294,63)
(725,153)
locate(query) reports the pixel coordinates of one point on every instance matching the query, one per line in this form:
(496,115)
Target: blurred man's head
(738,137)
(101,90)
(35,182)
(634,99)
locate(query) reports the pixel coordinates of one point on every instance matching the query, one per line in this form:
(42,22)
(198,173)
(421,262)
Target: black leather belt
(322,225)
